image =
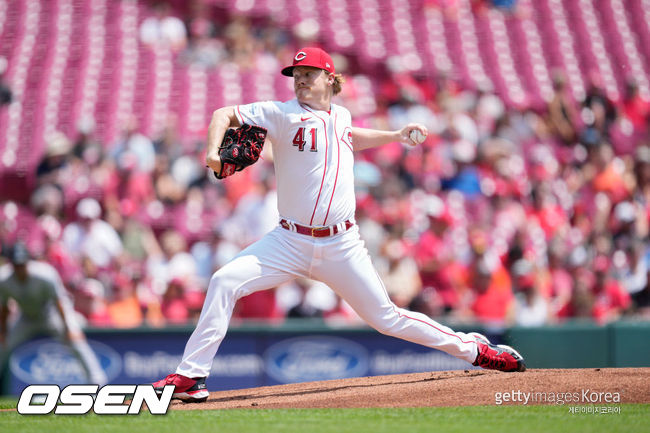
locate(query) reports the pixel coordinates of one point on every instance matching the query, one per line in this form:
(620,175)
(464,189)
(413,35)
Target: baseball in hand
(416,136)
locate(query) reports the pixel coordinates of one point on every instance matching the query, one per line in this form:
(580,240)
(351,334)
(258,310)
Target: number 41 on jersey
(299,139)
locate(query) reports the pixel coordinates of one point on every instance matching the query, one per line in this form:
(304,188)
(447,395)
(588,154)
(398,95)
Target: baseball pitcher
(313,146)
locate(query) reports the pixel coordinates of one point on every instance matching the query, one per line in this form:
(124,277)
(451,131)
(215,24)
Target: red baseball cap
(310,56)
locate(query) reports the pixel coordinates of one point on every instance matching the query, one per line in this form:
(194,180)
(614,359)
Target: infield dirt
(595,386)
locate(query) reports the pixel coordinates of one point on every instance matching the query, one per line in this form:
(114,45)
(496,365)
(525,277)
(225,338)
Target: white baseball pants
(340,261)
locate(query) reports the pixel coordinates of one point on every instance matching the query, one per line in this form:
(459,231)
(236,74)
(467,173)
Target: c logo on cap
(300,55)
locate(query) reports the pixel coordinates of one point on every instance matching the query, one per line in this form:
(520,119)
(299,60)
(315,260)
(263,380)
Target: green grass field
(633,418)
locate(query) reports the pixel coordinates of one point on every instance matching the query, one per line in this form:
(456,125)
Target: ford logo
(47,361)
(306,359)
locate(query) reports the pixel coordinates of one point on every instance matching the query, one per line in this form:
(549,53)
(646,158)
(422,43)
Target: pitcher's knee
(224,284)
(383,329)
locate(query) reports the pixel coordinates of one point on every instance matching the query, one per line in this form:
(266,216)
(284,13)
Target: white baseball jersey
(313,159)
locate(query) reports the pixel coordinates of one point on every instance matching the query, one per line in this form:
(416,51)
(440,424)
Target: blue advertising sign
(245,359)
(312,358)
(47,361)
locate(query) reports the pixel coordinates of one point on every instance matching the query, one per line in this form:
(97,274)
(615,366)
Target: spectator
(581,303)
(627,223)
(399,273)
(545,211)
(124,307)
(91,303)
(255,213)
(436,263)
(487,110)
(598,110)
(342,314)
(55,159)
(560,282)
(87,147)
(171,260)
(490,284)
(604,174)
(203,49)
(174,307)
(642,177)
(55,253)
(163,30)
(562,112)
(92,237)
(465,176)
(134,144)
(635,108)
(259,306)
(5,91)
(610,299)
(529,307)
(47,199)
(307,305)
(632,270)
(126,189)
(641,299)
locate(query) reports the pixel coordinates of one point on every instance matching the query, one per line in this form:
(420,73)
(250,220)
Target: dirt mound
(604,386)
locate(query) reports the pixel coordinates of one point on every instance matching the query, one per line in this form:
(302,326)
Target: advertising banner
(244,360)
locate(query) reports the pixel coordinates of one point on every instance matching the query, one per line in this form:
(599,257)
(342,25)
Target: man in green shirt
(45,309)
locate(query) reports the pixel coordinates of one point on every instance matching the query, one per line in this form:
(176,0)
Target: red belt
(317,232)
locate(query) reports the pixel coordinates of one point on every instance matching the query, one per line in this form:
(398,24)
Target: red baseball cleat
(187,389)
(497,356)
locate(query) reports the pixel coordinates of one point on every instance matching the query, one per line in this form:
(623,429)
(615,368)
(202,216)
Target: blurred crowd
(503,216)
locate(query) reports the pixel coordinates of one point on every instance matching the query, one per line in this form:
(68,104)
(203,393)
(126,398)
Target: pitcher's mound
(594,386)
